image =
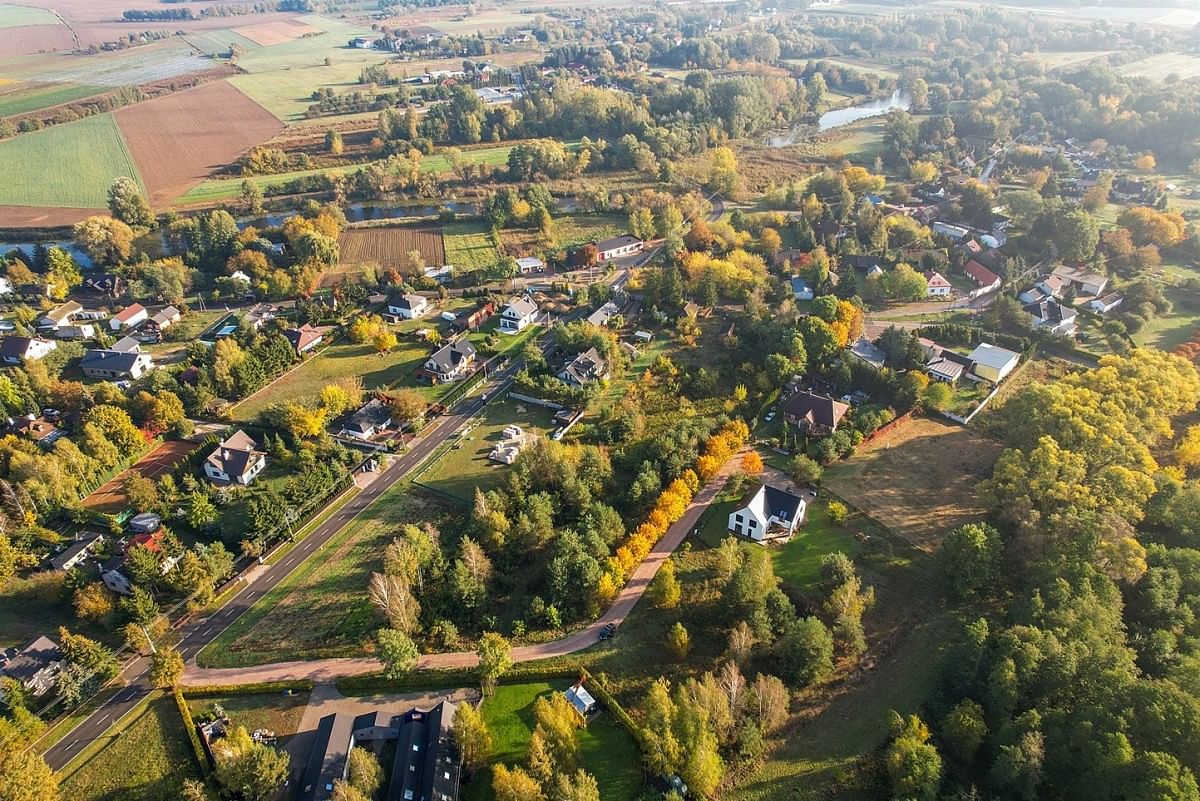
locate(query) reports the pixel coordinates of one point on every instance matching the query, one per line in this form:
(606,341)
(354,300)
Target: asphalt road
(200,633)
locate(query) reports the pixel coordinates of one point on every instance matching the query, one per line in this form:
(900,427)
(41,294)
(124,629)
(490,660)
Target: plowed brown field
(182,138)
(390,246)
(273,33)
(28,39)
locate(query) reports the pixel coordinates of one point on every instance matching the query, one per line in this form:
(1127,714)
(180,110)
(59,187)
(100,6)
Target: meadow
(321,609)
(146,757)
(339,360)
(34,97)
(275,712)
(89,154)
(14,16)
(469,245)
(1184,66)
(1058,59)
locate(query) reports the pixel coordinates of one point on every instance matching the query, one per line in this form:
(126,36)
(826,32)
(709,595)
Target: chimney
(225,454)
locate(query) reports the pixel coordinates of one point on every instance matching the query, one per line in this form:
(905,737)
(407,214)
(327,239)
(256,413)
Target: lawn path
(326,670)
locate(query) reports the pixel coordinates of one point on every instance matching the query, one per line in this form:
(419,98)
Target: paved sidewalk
(327,670)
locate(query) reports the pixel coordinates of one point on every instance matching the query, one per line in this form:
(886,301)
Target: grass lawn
(1184,65)
(40,97)
(232,516)
(343,358)
(70,165)
(273,711)
(464,465)
(469,245)
(1171,331)
(605,749)
(145,758)
(321,609)
(12,16)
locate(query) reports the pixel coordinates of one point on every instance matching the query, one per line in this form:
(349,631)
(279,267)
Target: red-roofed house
(936,285)
(129,317)
(985,280)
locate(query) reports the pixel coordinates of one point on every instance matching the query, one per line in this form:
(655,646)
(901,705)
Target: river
(843,116)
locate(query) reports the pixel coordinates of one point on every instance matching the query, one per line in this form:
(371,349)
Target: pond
(843,116)
(26,249)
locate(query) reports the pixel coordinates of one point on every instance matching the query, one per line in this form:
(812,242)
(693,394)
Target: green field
(40,97)
(146,757)
(321,609)
(605,749)
(16,16)
(468,245)
(1185,66)
(220,189)
(465,465)
(1171,331)
(70,165)
(339,360)
(217,42)
(858,65)
(1058,59)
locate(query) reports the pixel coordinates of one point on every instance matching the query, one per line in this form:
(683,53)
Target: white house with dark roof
(519,314)
(36,666)
(1050,315)
(1105,304)
(115,365)
(79,550)
(530,264)
(409,306)
(164,319)
(617,246)
(374,416)
(451,361)
(236,460)
(768,513)
(19,350)
(60,316)
(585,368)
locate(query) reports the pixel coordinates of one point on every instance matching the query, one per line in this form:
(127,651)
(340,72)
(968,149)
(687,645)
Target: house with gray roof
(768,513)
(585,368)
(236,460)
(450,362)
(36,666)
(115,365)
(519,314)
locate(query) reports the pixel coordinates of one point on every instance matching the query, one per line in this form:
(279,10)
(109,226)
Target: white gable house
(518,315)
(768,513)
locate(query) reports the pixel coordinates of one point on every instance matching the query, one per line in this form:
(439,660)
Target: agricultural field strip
(18,16)
(37,97)
(124,68)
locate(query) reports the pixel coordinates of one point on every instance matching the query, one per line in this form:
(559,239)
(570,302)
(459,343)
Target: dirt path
(327,670)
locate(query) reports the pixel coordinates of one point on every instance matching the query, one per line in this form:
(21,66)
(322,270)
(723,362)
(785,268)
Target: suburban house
(426,766)
(76,331)
(517,315)
(471,321)
(946,365)
(1085,282)
(802,288)
(59,316)
(601,316)
(813,414)
(1046,287)
(867,351)
(1050,315)
(113,575)
(617,246)
(867,265)
(38,429)
(75,553)
(236,460)
(985,280)
(513,440)
(364,424)
(129,317)
(585,368)
(1107,303)
(145,523)
(992,363)
(19,350)
(36,666)
(105,284)
(162,321)
(768,513)
(304,338)
(259,315)
(127,344)
(578,697)
(407,307)
(530,264)
(115,364)
(451,361)
(936,285)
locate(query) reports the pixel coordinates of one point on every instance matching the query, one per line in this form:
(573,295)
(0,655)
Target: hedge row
(374,683)
(963,335)
(214,690)
(600,693)
(193,737)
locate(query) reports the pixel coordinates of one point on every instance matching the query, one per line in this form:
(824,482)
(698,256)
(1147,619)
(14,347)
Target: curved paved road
(324,670)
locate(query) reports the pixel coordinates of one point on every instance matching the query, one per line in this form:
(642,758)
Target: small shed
(580,698)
